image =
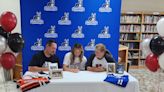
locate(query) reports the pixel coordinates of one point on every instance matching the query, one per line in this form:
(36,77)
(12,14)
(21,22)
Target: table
(85,81)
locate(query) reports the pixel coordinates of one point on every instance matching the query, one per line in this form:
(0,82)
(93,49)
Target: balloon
(15,42)
(157,45)
(3,44)
(152,62)
(9,50)
(8,21)
(161,61)
(160,27)
(3,33)
(145,46)
(7,60)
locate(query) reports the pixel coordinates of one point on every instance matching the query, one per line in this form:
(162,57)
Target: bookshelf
(136,26)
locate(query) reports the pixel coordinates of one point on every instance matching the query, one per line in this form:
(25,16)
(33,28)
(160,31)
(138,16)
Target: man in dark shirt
(48,55)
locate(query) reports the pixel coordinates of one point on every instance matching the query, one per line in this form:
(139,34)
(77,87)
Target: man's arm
(110,59)
(36,69)
(96,69)
(57,61)
(35,65)
(89,66)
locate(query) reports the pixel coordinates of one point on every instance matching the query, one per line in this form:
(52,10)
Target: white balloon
(3,44)
(160,27)
(145,47)
(161,61)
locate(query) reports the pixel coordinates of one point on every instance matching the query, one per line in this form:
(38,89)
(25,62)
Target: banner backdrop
(87,22)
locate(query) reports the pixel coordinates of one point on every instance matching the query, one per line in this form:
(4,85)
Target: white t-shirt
(76,64)
(102,61)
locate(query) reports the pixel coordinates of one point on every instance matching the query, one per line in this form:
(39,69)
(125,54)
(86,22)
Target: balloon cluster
(14,41)
(153,49)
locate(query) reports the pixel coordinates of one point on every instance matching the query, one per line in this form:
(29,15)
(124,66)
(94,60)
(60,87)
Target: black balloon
(3,33)
(15,42)
(157,45)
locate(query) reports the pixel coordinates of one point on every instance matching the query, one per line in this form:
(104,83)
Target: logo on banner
(92,20)
(104,33)
(105,7)
(38,45)
(78,33)
(37,19)
(65,19)
(78,7)
(90,46)
(50,6)
(51,33)
(65,46)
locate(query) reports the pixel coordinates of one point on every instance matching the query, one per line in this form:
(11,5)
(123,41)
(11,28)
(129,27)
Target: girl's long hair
(76,46)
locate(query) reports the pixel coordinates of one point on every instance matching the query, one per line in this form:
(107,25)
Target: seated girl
(75,60)
(97,62)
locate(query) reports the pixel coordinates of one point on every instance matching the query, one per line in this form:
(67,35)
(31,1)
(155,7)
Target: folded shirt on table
(117,80)
(28,84)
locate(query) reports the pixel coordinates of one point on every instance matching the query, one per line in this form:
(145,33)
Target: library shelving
(136,26)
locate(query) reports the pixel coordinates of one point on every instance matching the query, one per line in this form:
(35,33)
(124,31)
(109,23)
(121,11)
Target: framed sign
(111,68)
(56,74)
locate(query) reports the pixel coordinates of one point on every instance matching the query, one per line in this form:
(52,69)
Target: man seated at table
(98,61)
(39,60)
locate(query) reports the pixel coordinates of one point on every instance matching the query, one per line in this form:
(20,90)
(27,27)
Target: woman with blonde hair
(97,62)
(75,60)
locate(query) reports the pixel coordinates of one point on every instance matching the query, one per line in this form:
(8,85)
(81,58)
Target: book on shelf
(132,55)
(129,36)
(133,62)
(142,55)
(142,63)
(132,45)
(130,28)
(149,28)
(144,36)
(131,19)
(151,19)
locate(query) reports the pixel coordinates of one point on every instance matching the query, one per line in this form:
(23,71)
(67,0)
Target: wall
(33,31)
(127,5)
(143,5)
(13,6)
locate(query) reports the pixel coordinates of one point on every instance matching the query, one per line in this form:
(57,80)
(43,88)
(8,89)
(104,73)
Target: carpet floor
(149,81)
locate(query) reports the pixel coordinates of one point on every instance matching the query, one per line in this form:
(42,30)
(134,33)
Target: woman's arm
(66,68)
(67,62)
(83,63)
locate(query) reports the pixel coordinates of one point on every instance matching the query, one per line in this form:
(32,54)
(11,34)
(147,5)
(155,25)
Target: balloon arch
(14,41)
(153,48)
